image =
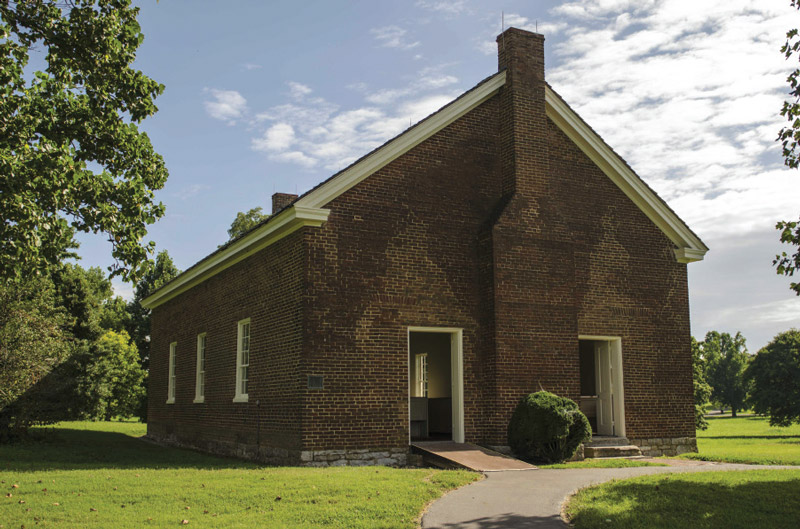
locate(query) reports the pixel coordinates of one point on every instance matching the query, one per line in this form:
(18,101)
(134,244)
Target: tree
(138,323)
(71,154)
(113,384)
(789,136)
(33,342)
(245,221)
(702,391)
(775,375)
(728,358)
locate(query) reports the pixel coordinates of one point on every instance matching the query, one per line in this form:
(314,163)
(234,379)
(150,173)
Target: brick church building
(496,248)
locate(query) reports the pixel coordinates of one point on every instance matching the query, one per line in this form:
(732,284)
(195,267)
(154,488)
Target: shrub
(547,428)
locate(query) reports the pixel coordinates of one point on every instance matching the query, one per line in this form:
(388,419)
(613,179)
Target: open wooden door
(605,389)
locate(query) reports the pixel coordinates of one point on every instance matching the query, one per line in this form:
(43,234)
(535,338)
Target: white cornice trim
(286,222)
(690,247)
(403,143)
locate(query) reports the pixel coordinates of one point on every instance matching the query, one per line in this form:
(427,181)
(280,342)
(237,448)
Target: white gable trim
(287,221)
(689,247)
(403,143)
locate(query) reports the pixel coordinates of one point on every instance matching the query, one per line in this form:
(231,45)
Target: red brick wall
(267,288)
(497,225)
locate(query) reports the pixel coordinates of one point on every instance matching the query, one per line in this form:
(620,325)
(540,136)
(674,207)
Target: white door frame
(617,386)
(456,377)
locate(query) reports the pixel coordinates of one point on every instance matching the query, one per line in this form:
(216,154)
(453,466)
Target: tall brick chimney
(531,275)
(523,140)
(281,200)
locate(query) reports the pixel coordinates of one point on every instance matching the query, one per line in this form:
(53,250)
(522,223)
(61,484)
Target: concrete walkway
(534,498)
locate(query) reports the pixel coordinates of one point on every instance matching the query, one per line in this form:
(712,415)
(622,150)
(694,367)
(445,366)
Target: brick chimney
(522,110)
(281,200)
(531,265)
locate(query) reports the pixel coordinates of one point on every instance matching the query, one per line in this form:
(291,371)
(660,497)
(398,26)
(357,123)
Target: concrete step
(607,440)
(595,452)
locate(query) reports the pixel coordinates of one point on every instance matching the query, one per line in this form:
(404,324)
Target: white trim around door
(456,376)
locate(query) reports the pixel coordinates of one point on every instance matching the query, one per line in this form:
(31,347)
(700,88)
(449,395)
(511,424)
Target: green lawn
(707,500)
(748,440)
(100,475)
(604,463)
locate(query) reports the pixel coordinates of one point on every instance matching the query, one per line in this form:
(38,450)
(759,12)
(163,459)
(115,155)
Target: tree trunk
(733,412)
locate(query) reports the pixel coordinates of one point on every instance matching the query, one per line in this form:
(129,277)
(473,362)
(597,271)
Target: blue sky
(276,96)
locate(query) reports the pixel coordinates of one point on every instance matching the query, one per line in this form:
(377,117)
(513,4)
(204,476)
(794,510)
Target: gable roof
(307,210)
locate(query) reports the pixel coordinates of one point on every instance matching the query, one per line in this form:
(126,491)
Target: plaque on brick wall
(315,382)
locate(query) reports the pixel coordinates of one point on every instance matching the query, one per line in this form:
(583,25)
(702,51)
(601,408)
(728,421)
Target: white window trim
(171,375)
(422,374)
(238,395)
(199,397)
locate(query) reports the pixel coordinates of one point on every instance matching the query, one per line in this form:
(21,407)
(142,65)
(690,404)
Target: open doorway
(435,384)
(602,392)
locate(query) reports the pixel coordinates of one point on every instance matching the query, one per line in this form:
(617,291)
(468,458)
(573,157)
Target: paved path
(533,498)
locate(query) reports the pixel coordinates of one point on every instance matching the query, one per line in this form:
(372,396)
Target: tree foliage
(138,322)
(789,136)
(113,384)
(775,374)
(702,391)
(727,360)
(33,342)
(71,153)
(245,221)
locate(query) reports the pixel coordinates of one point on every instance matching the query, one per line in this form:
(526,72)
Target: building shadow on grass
(674,502)
(73,449)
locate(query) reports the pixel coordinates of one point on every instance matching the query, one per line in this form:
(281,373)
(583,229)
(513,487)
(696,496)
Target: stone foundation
(666,446)
(394,457)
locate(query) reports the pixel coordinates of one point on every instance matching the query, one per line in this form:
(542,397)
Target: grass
(748,440)
(707,500)
(100,475)
(604,463)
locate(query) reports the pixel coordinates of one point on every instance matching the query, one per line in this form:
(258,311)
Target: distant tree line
(726,375)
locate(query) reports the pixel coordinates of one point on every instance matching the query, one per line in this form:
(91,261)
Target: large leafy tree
(72,157)
(727,359)
(34,341)
(789,136)
(113,383)
(775,373)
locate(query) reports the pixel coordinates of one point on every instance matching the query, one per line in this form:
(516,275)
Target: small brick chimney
(281,200)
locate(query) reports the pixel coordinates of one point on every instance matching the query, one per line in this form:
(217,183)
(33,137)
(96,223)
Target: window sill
(170,401)
(199,400)
(240,398)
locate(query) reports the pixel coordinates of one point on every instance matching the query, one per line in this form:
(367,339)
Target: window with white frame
(200,381)
(171,384)
(242,361)
(422,375)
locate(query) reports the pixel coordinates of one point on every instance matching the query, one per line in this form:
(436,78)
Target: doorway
(435,384)
(602,392)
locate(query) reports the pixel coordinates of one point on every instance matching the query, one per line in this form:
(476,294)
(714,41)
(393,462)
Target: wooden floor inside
(465,455)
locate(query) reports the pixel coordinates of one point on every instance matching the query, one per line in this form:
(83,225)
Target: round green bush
(546,428)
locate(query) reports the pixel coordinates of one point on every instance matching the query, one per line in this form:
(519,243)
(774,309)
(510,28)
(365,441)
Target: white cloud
(311,131)
(393,37)
(226,105)
(251,66)
(448,7)
(298,90)
(193,190)
(278,137)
